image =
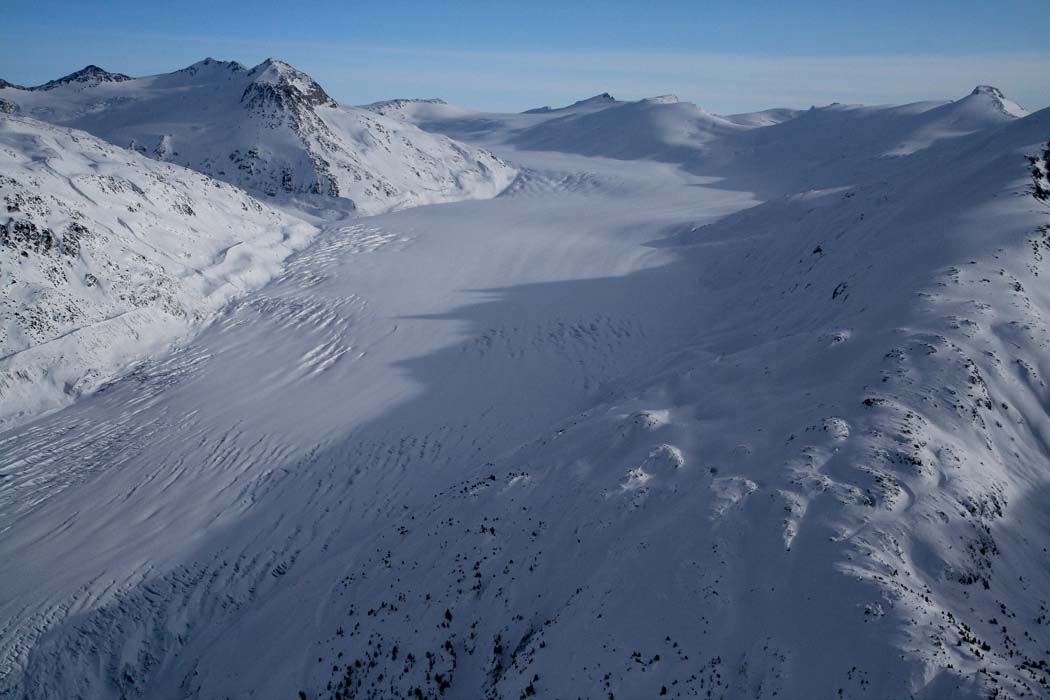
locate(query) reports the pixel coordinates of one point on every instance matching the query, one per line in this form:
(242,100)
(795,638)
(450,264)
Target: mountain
(270,129)
(723,407)
(89,76)
(414,109)
(108,256)
(773,152)
(827,146)
(658,127)
(597,102)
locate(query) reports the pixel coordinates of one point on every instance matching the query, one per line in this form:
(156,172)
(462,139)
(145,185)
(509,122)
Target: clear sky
(726,56)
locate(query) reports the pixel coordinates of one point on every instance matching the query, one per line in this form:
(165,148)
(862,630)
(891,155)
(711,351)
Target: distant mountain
(772,151)
(90,75)
(827,146)
(398,106)
(271,129)
(659,127)
(598,101)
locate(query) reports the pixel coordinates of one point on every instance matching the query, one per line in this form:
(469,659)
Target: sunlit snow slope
(107,256)
(722,417)
(270,129)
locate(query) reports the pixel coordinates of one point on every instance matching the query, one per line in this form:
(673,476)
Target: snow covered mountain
(270,129)
(658,128)
(724,407)
(107,255)
(830,145)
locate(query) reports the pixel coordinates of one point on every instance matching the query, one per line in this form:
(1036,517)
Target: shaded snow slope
(625,431)
(773,152)
(270,129)
(416,110)
(656,128)
(839,144)
(107,255)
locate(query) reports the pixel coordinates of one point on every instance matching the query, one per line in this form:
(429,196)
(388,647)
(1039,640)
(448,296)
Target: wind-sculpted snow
(270,129)
(625,431)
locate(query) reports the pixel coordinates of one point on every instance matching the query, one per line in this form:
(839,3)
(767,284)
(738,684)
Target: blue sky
(725,56)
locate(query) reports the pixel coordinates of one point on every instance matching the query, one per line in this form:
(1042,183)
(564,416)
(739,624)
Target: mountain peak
(210,63)
(274,71)
(988,90)
(603,97)
(663,100)
(278,82)
(90,74)
(999,100)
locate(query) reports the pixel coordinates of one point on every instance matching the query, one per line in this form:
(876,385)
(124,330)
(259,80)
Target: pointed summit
(89,75)
(996,97)
(276,82)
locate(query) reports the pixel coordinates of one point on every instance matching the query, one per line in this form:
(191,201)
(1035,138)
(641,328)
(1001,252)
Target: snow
(274,131)
(755,408)
(119,256)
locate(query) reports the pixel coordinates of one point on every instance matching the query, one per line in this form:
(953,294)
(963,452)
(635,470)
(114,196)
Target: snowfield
(699,406)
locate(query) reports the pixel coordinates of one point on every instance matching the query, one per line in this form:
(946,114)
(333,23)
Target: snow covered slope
(837,144)
(269,129)
(661,128)
(626,431)
(774,152)
(416,110)
(107,256)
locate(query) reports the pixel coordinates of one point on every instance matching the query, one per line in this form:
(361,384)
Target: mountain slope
(662,128)
(831,489)
(837,144)
(270,129)
(774,152)
(108,255)
(626,431)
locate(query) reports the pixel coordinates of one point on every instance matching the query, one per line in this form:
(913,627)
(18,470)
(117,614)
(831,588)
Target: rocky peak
(89,75)
(603,98)
(988,90)
(597,99)
(998,99)
(211,64)
(275,83)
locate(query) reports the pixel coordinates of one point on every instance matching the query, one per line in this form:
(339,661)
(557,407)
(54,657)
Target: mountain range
(665,403)
(271,129)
